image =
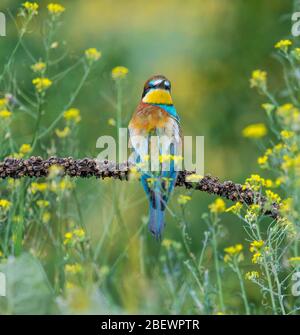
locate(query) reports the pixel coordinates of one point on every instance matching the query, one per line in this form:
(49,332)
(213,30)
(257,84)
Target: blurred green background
(207,49)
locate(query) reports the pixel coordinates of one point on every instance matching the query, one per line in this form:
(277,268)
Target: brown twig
(36,167)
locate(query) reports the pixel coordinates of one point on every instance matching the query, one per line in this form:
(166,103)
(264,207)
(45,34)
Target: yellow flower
(256,245)
(235,208)
(41,84)
(5,114)
(278,148)
(46,217)
(262,160)
(25,149)
(252,275)
(283,45)
(55,8)
(73,268)
(79,233)
(254,208)
(43,203)
(38,67)
(259,79)
(38,187)
(5,204)
(256,130)
(233,250)
(183,199)
(76,235)
(285,107)
(31,7)
(92,54)
(256,257)
(63,133)
(72,114)
(272,197)
(111,122)
(255,182)
(218,206)
(286,134)
(1,254)
(119,72)
(166,243)
(268,183)
(68,235)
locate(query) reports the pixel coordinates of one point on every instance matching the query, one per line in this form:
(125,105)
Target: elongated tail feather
(156,215)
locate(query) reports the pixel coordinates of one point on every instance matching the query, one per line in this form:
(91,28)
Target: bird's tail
(157,214)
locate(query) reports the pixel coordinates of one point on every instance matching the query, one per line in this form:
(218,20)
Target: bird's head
(157,91)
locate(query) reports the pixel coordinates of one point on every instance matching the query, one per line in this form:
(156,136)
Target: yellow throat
(158,96)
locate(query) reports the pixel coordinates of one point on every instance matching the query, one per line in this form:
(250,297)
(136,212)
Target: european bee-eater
(156,116)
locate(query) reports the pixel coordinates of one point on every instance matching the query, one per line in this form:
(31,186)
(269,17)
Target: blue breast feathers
(171,110)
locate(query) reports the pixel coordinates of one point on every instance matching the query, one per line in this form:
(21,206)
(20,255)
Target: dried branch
(36,167)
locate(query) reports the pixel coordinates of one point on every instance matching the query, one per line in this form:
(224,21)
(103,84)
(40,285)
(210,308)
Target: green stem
(68,105)
(16,48)
(119,105)
(268,276)
(217,267)
(20,226)
(289,86)
(38,121)
(8,64)
(186,242)
(242,285)
(271,98)
(280,296)
(270,286)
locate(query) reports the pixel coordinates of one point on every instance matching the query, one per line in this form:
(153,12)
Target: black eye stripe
(163,84)
(146,90)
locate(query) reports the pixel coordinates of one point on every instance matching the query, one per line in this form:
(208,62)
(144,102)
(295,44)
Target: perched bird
(156,116)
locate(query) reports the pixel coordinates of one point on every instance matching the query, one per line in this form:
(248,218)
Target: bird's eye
(167,85)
